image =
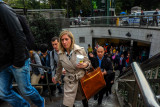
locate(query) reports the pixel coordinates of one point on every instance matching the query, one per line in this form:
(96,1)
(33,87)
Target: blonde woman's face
(66,41)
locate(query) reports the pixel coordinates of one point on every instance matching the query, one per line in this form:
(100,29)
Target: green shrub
(44,29)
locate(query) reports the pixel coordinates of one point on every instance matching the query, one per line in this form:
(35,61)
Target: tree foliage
(74,6)
(15,3)
(44,29)
(126,5)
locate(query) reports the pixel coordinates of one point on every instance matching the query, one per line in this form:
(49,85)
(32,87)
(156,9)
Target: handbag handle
(90,70)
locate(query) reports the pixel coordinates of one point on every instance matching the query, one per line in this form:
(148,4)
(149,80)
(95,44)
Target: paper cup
(80,58)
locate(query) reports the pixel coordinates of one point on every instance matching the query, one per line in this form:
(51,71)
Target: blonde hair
(70,35)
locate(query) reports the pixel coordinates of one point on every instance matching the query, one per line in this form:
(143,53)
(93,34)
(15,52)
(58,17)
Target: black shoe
(59,89)
(95,97)
(67,106)
(60,92)
(53,93)
(99,102)
(106,94)
(85,103)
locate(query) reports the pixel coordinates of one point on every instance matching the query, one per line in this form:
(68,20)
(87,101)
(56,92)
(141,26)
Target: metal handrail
(40,66)
(48,84)
(151,62)
(45,72)
(146,91)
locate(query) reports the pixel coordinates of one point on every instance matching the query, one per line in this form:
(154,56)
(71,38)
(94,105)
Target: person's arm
(86,60)
(52,64)
(58,71)
(15,33)
(38,61)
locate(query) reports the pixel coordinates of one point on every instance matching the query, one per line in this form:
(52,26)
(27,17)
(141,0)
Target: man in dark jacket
(121,63)
(142,18)
(45,60)
(105,64)
(155,17)
(14,61)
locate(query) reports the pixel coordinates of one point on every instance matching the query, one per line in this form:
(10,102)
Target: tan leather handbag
(92,82)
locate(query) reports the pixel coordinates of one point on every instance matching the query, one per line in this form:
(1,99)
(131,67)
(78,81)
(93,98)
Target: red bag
(92,83)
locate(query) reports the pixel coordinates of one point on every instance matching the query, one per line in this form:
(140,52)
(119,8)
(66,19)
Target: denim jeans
(22,78)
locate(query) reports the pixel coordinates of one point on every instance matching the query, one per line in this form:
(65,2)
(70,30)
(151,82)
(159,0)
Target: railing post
(135,93)
(48,85)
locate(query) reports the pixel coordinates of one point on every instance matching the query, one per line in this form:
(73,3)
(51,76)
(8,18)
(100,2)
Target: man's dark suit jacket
(105,64)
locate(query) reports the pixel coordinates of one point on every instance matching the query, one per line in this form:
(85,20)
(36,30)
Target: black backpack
(26,30)
(55,63)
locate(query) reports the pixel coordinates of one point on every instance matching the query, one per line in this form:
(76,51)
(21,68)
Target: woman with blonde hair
(74,71)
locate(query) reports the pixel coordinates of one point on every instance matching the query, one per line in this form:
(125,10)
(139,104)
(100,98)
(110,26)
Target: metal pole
(48,85)
(108,6)
(131,49)
(91,8)
(67,10)
(39,4)
(24,10)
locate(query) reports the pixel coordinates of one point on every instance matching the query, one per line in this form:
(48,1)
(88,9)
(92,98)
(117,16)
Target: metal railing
(46,75)
(142,21)
(113,21)
(146,91)
(140,85)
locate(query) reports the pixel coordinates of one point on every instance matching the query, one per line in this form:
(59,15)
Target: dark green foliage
(126,5)
(44,29)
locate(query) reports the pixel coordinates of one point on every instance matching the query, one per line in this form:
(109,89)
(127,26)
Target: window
(81,39)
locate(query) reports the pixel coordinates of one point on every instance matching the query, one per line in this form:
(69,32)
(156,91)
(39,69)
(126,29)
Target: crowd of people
(15,59)
(120,55)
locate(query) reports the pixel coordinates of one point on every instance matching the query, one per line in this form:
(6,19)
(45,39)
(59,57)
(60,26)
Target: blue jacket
(45,61)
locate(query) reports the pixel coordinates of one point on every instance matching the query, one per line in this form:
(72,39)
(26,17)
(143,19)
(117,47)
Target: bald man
(105,64)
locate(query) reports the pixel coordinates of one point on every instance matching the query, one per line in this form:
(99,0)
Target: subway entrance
(138,49)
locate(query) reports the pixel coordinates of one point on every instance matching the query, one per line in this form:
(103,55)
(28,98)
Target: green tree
(43,29)
(86,8)
(126,5)
(150,4)
(15,3)
(55,4)
(33,4)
